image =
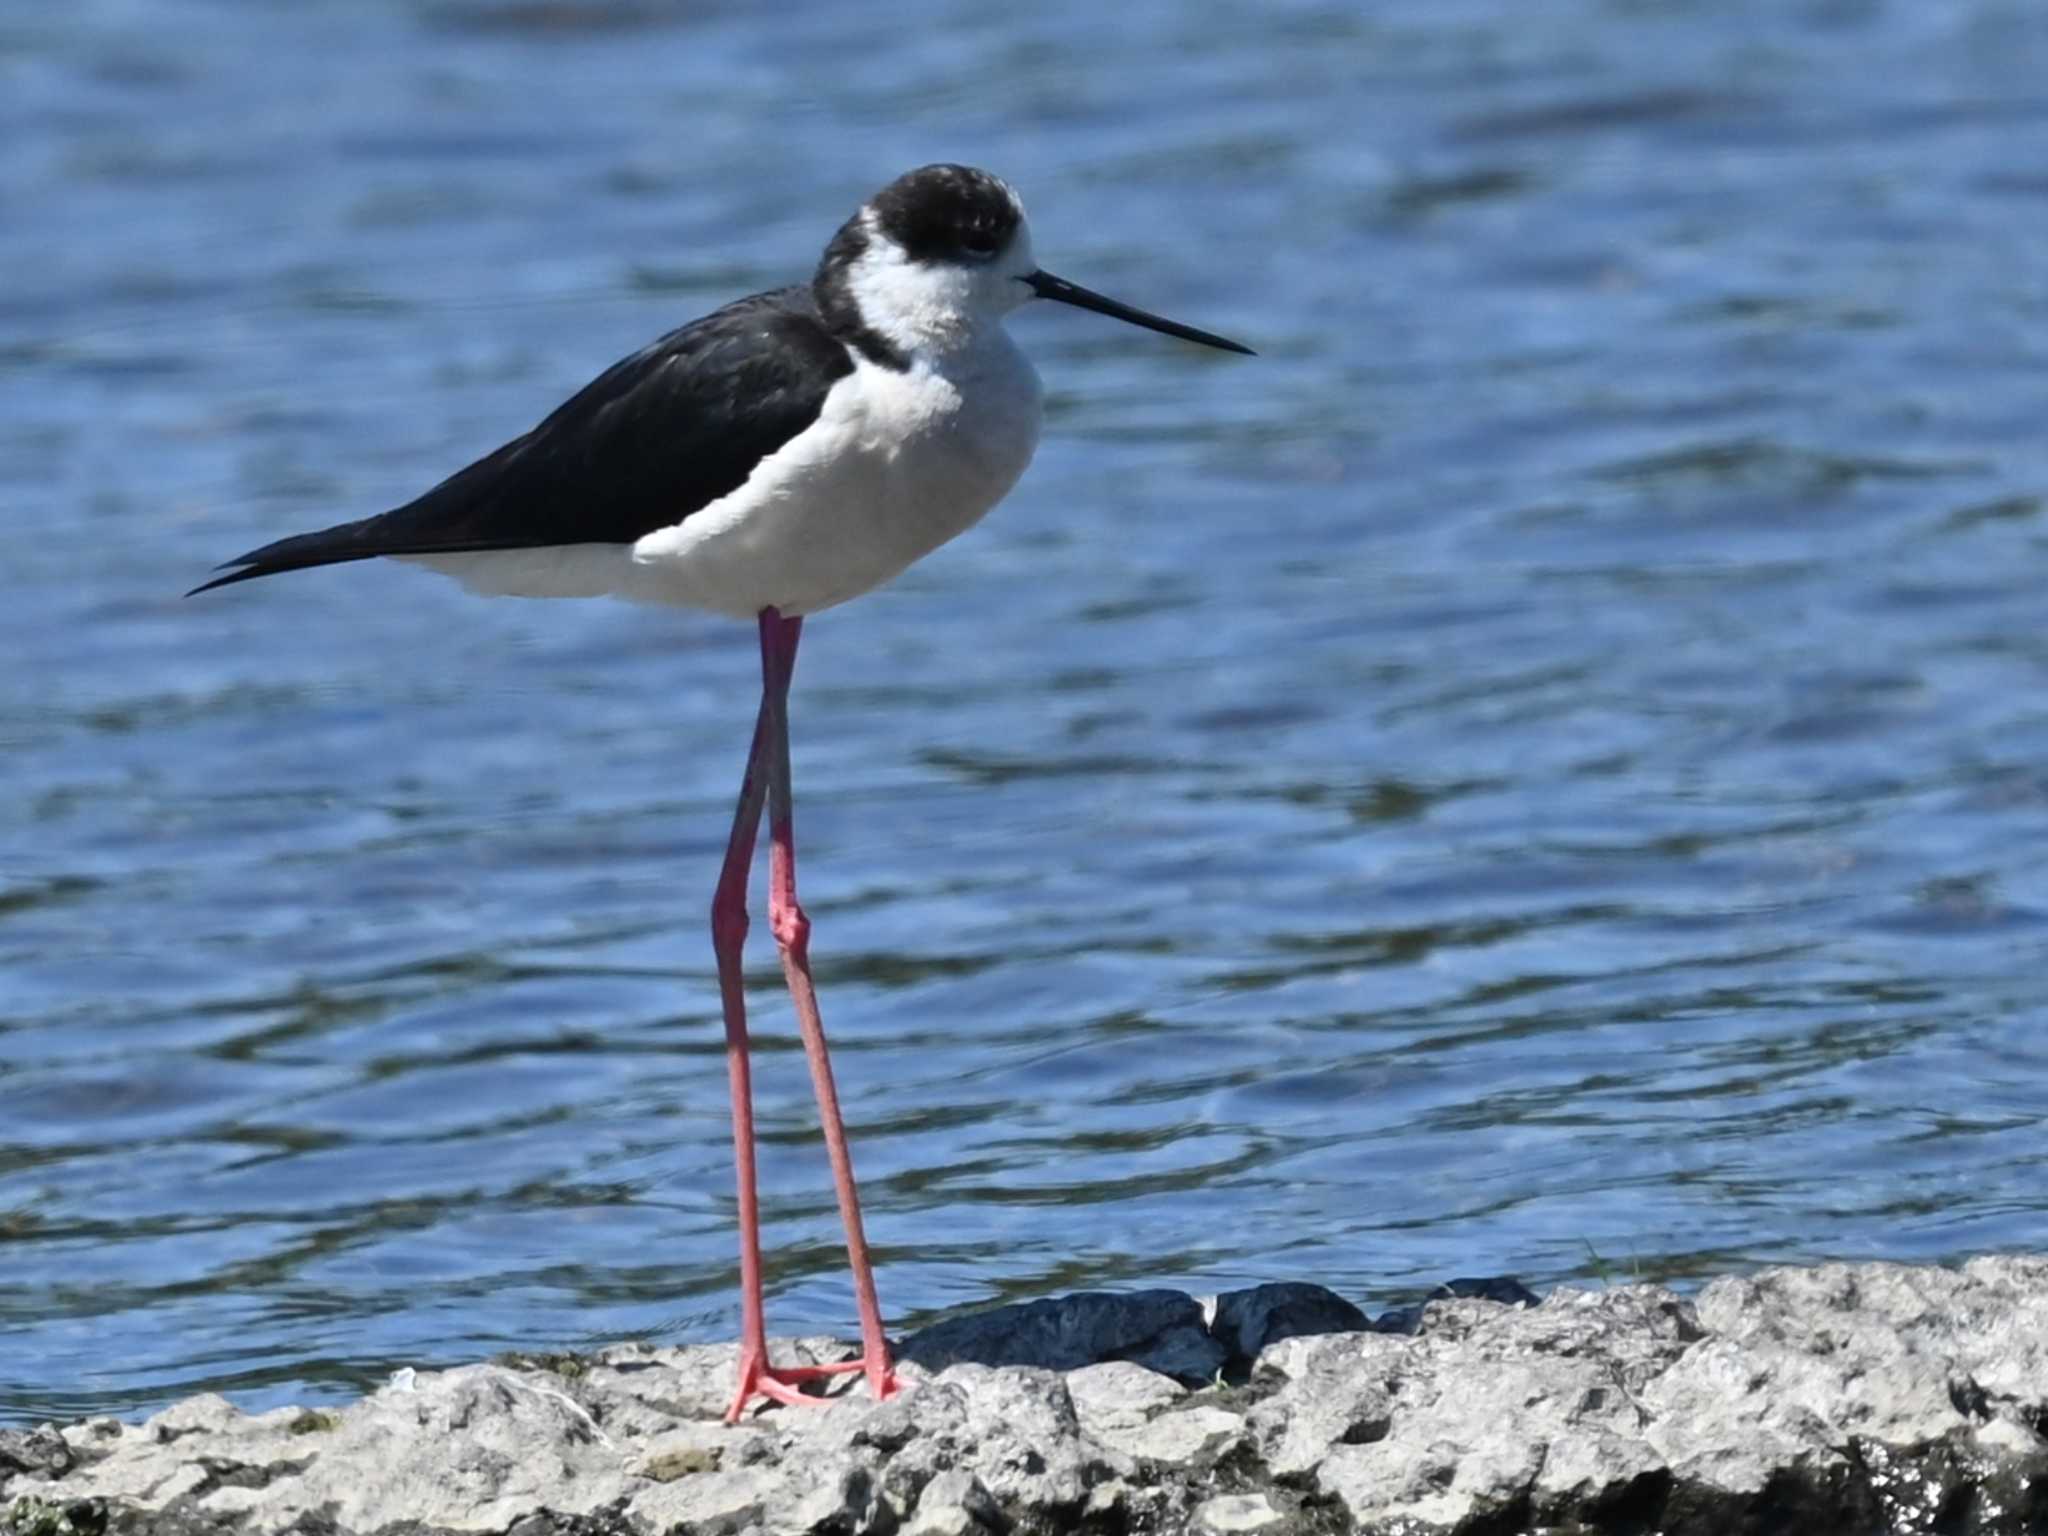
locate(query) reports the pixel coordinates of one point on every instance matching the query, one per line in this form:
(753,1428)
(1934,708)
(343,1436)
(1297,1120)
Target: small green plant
(1599,1265)
(1604,1274)
(562,1364)
(29,1516)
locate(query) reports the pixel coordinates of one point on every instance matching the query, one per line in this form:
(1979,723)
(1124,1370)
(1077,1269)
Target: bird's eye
(979,242)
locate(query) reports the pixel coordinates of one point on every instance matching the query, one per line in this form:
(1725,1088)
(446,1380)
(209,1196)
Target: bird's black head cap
(947,213)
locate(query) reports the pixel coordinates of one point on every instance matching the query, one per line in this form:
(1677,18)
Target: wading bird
(774,458)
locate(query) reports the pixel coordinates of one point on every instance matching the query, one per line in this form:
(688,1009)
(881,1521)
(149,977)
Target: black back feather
(655,437)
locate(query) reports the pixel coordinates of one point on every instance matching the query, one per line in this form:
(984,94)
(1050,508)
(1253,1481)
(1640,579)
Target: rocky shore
(1842,1398)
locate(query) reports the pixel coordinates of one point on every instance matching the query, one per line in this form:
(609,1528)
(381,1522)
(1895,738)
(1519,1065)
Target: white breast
(896,464)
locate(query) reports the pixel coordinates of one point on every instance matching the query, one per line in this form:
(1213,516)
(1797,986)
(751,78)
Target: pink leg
(779,638)
(728,938)
(757,1378)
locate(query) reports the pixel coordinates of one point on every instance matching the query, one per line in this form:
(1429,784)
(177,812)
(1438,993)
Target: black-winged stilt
(774,458)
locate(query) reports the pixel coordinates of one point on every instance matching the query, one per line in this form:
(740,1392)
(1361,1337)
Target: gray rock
(1118,1394)
(1820,1365)
(40,1450)
(1235,1514)
(1337,1389)
(1864,1398)
(1201,1431)
(954,1504)
(1496,1410)
(1017,1432)
(1142,1414)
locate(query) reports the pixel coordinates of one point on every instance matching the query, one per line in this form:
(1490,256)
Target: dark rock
(1246,1322)
(1502,1290)
(1162,1330)
(1505,1289)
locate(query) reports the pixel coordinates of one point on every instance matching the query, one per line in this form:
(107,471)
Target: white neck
(934,307)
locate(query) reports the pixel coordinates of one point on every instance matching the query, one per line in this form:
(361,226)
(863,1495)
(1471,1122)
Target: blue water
(1545,770)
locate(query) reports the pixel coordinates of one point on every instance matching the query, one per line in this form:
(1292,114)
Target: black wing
(653,438)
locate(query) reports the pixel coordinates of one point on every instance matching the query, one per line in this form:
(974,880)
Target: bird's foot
(783,1383)
(883,1382)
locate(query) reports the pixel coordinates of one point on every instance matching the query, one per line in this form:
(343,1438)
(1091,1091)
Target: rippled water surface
(1545,770)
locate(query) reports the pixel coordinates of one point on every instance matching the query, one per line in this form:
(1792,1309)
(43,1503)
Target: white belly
(895,465)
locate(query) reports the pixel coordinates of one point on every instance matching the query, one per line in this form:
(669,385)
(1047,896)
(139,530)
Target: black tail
(366,539)
(330,546)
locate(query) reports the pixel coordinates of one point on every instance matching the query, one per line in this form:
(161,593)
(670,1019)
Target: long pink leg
(728,938)
(792,928)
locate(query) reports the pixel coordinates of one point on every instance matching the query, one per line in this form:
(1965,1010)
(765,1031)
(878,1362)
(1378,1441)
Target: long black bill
(1046,286)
